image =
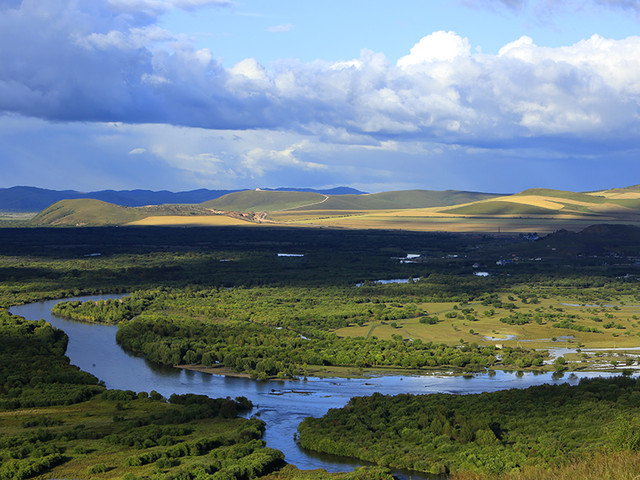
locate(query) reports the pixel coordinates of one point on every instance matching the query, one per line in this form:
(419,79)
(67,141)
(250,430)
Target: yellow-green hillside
(535,210)
(89,212)
(82,212)
(264,201)
(501,208)
(400,199)
(542,201)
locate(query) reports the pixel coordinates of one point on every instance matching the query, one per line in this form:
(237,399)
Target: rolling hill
(533,210)
(631,192)
(32,199)
(81,212)
(265,201)
(90,212)
(271,201)
(402,199)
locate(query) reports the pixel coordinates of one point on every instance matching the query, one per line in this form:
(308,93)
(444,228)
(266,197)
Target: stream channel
(281,404)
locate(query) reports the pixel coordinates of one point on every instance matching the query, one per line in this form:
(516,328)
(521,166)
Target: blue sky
(491,95)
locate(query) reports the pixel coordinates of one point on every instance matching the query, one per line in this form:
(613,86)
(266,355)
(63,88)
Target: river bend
(282,405)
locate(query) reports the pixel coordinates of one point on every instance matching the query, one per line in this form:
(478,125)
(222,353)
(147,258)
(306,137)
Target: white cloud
(250,68)
(626,4)
(156,7)
(280,28)
(512,4)
(202,164)
(258,161)
(439,46)
(124,71)
(137,151)
(134,38)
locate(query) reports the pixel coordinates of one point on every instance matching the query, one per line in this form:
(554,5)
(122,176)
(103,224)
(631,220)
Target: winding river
(282,405)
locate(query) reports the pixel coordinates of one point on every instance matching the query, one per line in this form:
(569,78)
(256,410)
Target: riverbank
(354,373)
(331,372)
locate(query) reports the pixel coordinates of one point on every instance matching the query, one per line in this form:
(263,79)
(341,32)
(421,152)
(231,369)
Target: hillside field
(535,210)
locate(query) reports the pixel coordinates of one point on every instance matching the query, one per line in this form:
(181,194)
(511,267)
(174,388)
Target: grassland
(264,201)
(597,466)
(427,220)
(591,336)
(534,210)
(190,221)
(97,424)
(88,212)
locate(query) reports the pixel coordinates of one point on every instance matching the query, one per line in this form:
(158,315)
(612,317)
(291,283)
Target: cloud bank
(96,62)
(108,62)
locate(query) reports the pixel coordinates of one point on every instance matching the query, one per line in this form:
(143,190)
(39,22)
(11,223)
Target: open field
(552,323)
(17,215)
(190,221)
(614,337)
(538,210)
(423,221)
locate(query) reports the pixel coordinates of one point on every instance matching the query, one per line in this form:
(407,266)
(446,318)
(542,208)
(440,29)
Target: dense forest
(492,433)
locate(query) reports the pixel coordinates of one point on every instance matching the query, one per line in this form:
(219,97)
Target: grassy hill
(533,210)
(501,208)
(80,212)
(632,191)
(399,200)
(90,212)
(264,201)
(543,201)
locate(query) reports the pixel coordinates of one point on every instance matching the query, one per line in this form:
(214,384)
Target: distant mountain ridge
(33,199)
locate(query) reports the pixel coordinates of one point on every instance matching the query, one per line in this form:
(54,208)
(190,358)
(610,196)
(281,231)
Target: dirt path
(326,197)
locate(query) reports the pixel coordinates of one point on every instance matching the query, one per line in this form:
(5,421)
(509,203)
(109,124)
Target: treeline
(33,369)
(264,351)
(110,311)
(492,433)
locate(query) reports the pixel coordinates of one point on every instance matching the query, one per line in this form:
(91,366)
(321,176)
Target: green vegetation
(212,297)
(268,332)
(83,212)
(450,210)
(491,433)
(109,311)
(501,208)
(281,317)
(55,418)
(89,212)
(33,369)
(263,201)
(399,200)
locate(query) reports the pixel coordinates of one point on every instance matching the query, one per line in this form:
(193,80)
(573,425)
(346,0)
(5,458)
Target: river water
(282,405)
